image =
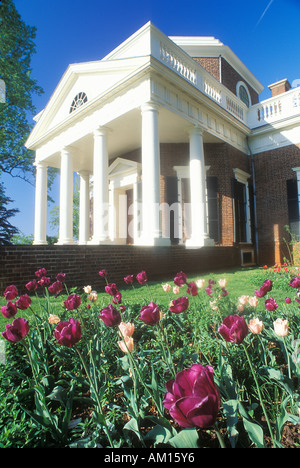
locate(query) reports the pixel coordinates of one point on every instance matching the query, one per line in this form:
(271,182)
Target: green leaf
(230,409)
(255,433)
(159,434)
(254,430)
(187,438)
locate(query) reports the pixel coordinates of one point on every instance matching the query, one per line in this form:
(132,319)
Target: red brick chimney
(279,87)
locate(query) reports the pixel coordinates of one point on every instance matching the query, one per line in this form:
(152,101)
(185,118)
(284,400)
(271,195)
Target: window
(241,199)
(243,93)
(213,208)
(78,101)
(293,205)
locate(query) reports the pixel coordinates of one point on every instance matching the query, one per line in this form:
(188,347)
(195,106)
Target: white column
(101,196)
(40,227)
(199,236)
(84,207)
(66,198)
(151,224)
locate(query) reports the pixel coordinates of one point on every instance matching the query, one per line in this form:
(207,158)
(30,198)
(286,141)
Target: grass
(241,281)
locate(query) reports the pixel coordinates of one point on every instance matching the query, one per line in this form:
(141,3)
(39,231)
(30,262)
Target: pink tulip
(281,327)
(127,344)
(255,326)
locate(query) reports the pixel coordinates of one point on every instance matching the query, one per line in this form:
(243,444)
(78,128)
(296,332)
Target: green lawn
(242,281)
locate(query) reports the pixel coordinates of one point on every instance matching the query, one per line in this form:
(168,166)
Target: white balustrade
(268,111)
(274,109)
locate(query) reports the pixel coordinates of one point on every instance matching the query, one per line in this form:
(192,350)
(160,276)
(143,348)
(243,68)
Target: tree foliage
(7,230)
(16,48)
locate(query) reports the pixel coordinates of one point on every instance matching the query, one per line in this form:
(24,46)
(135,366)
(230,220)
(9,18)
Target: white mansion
(172,146)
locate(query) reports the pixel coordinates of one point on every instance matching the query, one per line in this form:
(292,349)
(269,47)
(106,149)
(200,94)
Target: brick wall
(272,170)
(229,76)
(82,263)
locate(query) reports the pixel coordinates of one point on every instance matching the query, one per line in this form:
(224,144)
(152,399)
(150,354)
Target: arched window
(243,93)
(78,101)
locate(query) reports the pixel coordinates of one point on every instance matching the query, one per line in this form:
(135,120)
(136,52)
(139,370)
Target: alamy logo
(2,91)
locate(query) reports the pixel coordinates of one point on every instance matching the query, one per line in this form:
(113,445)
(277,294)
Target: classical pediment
(122,166)
(78,91)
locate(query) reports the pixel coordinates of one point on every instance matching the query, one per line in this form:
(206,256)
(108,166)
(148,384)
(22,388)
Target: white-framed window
(243,94)
(78,101)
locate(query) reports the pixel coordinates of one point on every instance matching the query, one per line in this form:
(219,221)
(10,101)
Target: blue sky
(264,34)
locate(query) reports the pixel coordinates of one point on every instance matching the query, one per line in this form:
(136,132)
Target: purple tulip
(61,277)
(271,304)
(111,289)
(150,314)
(16,331)
(179,305)
(56,287)
(193,399)
(233,329)
(31,286)
(23,302)
(110,316)
(72,302)
(295,282)
(41,272)
(10,292)
(264,289)
(68,333)
(180,279)
(192,289)
(128,279)
(117,298)
(9,310)
(142,277)
(44,281)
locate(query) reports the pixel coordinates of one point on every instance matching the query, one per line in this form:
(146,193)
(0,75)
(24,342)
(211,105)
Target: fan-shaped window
(243,93)
(78,101)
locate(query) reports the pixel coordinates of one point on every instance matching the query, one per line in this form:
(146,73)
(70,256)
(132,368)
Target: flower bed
(203,369)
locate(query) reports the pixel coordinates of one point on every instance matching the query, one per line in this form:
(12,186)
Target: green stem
(96,395)
(34,373)
(260,395)
(140,377)
(220,438)
(163,341)
(288,357)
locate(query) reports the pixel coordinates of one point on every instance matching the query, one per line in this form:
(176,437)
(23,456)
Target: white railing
(266,112)
(175,58)
(177,63)
(274,109)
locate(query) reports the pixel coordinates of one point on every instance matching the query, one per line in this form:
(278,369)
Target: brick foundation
(82,263)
